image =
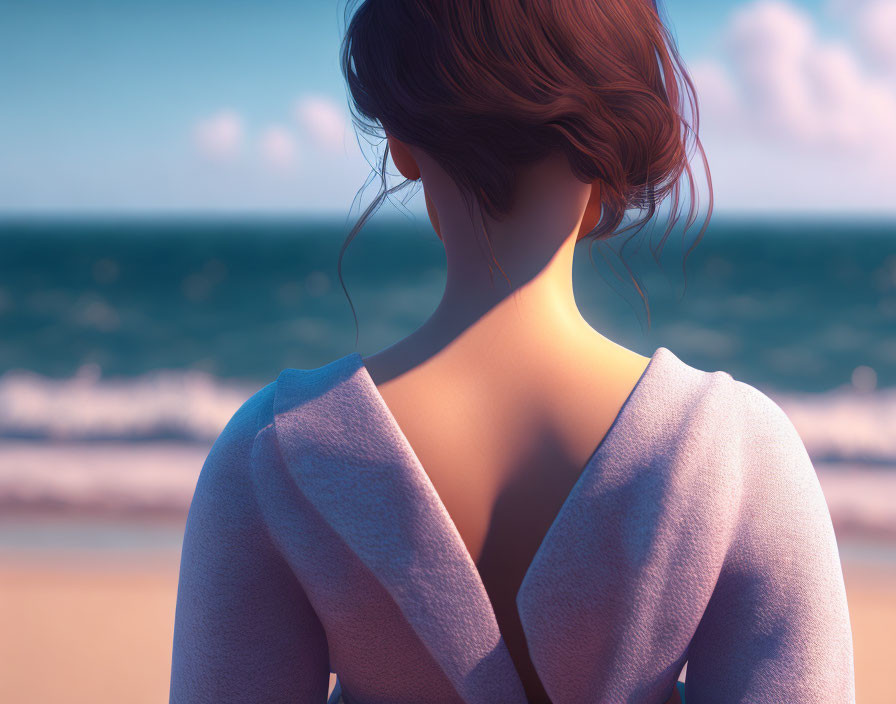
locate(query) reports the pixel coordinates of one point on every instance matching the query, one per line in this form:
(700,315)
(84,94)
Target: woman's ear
(433,214)
(403,159)
(593,212)
(407,167)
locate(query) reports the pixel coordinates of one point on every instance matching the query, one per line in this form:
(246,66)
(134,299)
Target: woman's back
(503,445)
(697,532)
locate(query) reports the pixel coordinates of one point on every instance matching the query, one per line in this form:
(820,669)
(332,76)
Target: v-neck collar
(346,453)
(593,461)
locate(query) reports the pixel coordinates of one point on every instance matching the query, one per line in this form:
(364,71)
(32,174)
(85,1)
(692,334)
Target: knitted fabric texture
(697,532)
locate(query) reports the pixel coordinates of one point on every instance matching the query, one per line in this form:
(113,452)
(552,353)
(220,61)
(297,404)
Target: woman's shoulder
(731,455)
(755,453)
(728,422)
(232,448)
(293,385)
(725,399)
(292,388)
(290,385)
(748,415)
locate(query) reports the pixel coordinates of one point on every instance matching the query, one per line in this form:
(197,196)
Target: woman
(506,506)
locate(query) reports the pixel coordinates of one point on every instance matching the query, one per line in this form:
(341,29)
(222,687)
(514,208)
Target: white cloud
(715,89)
(278,146)
(323,120)
(790,87)
(875,28)
(219,136)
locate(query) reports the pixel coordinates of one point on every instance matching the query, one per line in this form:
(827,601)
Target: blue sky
(232,106)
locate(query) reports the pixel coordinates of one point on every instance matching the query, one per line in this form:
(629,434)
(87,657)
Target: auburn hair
(486,87)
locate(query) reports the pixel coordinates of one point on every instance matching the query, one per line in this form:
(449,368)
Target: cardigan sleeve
(776,628)
(244,630)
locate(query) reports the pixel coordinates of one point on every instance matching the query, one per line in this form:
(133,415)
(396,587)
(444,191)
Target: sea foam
(95,445)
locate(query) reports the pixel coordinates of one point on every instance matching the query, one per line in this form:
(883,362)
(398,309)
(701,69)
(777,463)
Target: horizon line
(211,215)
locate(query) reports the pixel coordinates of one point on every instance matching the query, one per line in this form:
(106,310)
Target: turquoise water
(126,345)
(793,305)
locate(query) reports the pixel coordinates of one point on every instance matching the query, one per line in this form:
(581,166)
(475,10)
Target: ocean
(127,343)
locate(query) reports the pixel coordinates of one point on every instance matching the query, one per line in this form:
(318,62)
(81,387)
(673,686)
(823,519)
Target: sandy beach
(91,627)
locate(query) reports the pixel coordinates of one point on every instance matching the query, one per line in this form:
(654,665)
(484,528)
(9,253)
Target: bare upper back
(503,455)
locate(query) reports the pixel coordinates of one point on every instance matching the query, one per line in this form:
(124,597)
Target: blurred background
(176,181)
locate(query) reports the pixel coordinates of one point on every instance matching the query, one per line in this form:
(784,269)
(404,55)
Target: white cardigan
(697,532)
